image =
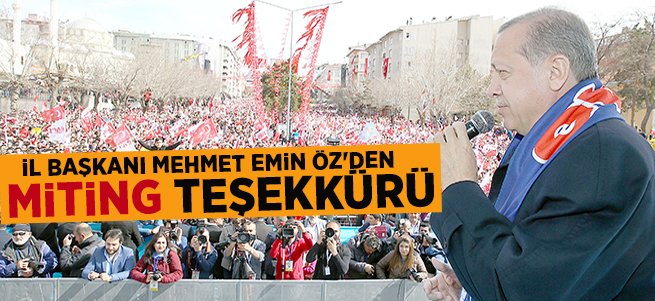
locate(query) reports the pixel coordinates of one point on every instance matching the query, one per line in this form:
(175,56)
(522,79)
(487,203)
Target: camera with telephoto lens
(202,239)
(425,237)
(244,237)
(329,233)
(156,276)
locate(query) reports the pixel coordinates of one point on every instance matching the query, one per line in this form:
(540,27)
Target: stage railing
(345,290)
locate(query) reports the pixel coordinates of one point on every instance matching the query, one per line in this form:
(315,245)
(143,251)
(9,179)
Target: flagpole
(292,11)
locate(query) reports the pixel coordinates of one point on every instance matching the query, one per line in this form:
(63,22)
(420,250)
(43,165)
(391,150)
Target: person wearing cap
(25,256)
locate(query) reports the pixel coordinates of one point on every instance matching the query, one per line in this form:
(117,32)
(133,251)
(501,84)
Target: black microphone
(481,122)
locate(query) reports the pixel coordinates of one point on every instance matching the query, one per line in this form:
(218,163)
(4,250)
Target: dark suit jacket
(131,236)
(64,229)
(338,263)
(585,230)
(47,233)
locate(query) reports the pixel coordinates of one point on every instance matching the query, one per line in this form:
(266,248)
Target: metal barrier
(77,289)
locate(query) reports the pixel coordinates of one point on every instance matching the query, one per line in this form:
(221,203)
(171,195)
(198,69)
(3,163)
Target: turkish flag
(385,67)
(202,132)
(53,114)
(121,135)
(24,132)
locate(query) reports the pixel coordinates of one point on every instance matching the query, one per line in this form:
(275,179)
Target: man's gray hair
(556,31)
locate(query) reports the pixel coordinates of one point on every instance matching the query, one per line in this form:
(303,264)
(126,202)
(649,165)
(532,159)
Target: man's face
(78,237)
(520,89)
(424,230)
(336,229)
(20,237)
(251,229)
(372,221)
(112,245)
(368,249)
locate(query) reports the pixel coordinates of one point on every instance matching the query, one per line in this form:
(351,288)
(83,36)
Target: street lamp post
(291,11)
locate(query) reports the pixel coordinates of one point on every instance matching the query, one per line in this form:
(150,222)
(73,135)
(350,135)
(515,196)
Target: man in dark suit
(47,233)
(131,236)
(332,257)
(571,210)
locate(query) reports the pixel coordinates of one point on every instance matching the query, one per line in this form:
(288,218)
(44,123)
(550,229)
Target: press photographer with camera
(160,262)
(366,251)
(288,249)
(199,257)
(25,256)
(246,253)
(175,232)
(332,257)
(428,247)
(403,263)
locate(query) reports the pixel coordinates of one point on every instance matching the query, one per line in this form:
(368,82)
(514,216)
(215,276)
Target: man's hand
(67,240)
(369,269)
(75,250)
(445,285)
(301,227)
(105,277)
(245,248)
(321,237)
(457,157)
(332,246)
(23,264)
(28,272)
(194,244)
(93,276)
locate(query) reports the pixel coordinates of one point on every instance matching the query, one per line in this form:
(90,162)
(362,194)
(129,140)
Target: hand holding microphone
(457,158)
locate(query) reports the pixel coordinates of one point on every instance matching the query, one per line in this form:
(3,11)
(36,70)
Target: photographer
(199,257)
(270,263)
(402,263)
(246,253)
(25,256)
(429,247)
(402,228)
(73,259)
(175,232)
(160,262)
(288,249)
(332,257)
(366,251)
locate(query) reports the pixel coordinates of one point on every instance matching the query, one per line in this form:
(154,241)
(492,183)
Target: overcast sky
(349,23)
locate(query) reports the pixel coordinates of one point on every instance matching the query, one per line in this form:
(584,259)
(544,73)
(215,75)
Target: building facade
(466,41)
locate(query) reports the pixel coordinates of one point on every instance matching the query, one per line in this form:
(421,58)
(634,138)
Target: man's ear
(559,71)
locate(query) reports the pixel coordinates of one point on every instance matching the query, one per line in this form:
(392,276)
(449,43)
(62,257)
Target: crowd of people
(275,248)
(291,248)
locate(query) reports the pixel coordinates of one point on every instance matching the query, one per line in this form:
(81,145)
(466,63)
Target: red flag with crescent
(203,131)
